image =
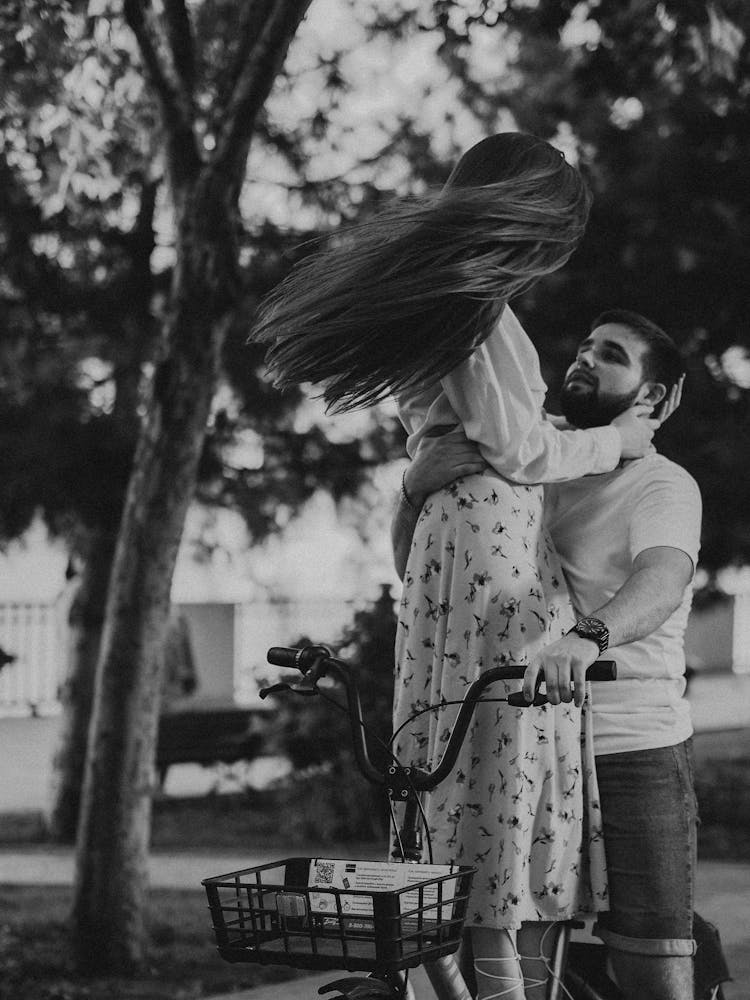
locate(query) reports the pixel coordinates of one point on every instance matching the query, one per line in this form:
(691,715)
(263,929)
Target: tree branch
(176,106)
(262,64)
(252,19)
(180,37)
(168,97)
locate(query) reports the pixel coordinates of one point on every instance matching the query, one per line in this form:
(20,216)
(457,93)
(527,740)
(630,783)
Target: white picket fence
(229,646)
(34,633)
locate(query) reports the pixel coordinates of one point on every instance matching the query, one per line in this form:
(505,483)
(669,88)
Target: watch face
(592,628)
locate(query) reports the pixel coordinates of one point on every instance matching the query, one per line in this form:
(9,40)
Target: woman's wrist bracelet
(405,494)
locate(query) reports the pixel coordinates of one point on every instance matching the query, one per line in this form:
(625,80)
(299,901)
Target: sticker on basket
(364,878)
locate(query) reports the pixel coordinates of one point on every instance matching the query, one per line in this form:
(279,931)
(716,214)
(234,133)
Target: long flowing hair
(402,298)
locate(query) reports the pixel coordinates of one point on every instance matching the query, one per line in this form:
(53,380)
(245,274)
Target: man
(628,542)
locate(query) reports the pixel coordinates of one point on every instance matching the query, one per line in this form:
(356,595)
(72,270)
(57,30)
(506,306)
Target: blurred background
(165,514)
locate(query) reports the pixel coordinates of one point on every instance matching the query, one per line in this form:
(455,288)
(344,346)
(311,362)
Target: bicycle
(383,918)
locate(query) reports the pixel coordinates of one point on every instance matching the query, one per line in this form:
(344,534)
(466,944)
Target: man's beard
(589,409)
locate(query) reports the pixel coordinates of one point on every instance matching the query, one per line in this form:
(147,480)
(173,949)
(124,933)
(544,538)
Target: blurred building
(228,643)
(225,630)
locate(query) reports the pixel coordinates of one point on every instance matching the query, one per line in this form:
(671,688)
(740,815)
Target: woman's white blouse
(497,397)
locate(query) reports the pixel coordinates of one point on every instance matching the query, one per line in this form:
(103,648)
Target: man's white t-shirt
(599,524)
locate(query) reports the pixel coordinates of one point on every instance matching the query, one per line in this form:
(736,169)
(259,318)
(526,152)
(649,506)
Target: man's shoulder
(656,466)
(656,472)
(654,475)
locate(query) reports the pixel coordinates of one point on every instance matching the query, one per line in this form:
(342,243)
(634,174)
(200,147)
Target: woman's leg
(536,942)
(496,965)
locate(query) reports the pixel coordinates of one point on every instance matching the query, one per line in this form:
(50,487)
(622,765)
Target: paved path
(723,897)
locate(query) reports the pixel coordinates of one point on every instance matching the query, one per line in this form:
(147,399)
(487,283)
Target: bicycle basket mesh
(313,913)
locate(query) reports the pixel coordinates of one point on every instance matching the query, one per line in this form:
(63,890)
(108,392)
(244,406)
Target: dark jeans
(650,817)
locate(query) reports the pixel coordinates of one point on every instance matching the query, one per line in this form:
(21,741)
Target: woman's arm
(403,523)
(498,395)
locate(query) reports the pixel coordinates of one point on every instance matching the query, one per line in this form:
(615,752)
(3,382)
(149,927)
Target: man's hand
(670,402)
(563,663)
(636,425)
(438,461)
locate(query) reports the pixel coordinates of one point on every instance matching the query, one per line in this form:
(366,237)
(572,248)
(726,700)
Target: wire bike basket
(319,913)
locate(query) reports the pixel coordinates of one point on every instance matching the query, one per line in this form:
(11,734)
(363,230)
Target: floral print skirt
(483,587)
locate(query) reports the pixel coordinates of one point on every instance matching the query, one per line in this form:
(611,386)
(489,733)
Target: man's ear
(651,393)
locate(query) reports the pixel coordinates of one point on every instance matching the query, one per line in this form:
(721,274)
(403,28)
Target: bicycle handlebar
(317,662)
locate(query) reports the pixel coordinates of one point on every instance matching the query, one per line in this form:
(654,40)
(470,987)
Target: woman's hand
(636,428)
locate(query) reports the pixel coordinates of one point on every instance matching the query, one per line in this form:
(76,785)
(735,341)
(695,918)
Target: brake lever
(310,678)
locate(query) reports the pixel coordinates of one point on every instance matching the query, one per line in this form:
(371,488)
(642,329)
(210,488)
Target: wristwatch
(594,629)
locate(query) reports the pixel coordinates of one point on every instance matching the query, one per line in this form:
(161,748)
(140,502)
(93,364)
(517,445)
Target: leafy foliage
(86,262)
(114,267)
(654,100)
(316,737)
(76,220)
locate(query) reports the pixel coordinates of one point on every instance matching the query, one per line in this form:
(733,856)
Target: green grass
(216,822)
(304,813)
(183,963)
(221,823)
(182,960)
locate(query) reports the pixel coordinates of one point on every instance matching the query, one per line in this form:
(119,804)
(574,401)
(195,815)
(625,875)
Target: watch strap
(594,629)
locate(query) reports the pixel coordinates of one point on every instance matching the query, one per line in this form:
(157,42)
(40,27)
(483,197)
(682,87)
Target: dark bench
(209,734)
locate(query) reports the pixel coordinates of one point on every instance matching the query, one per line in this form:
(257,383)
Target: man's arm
(652,592)
(438,461)
(403,523)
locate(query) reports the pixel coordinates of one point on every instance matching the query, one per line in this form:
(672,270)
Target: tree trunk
(114,826)
(86,616)
(85,621)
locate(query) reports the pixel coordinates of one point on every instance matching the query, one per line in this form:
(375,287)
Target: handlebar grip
(602,670)
(283,656)
(300,659)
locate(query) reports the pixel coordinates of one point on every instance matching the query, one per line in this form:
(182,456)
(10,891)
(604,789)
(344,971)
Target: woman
(414,304)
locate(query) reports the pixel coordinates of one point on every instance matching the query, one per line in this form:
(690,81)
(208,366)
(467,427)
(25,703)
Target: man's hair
(661,361)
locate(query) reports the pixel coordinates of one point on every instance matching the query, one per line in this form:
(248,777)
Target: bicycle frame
(404,784)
